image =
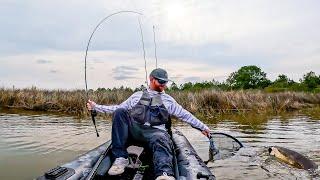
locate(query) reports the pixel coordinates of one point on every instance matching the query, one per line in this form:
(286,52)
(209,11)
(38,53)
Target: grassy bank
(204,102)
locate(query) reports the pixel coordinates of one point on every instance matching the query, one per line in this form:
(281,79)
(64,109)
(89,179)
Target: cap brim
(164,79)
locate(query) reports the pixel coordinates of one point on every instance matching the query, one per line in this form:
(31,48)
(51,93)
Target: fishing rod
(155,47)
(93,112)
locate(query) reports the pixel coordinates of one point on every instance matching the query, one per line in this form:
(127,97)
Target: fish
(292,158)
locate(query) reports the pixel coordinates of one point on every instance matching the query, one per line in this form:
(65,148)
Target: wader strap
(145,98)
(156,100)
(150,111)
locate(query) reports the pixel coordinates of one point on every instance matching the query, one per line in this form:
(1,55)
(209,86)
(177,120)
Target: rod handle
(93,115)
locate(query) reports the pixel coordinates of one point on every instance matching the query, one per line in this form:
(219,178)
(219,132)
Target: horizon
(145,85)
(195,41)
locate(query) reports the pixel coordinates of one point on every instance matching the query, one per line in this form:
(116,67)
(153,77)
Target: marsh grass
(212,101)
(205,102)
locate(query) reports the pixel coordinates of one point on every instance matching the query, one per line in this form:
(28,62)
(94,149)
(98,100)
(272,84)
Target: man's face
(156,85)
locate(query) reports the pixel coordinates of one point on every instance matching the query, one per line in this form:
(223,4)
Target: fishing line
(93,112)
(144,52)
(142,41)
(155,47)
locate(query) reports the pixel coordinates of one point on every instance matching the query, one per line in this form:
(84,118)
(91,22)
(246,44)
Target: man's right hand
(206,132)
(90,105)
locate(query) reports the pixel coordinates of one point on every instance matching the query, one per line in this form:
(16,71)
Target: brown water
(33,142)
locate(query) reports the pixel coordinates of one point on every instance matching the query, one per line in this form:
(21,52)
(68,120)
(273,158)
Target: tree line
(247,77)
(252,77)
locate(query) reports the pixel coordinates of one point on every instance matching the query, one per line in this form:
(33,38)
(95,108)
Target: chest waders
(136,126)
(150,110)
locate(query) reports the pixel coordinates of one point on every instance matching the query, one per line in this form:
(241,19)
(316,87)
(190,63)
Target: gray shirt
(172,106)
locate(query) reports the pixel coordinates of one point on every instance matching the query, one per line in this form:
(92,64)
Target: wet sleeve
(127,104)
(178,111)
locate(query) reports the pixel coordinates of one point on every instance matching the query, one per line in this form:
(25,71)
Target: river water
(33,142)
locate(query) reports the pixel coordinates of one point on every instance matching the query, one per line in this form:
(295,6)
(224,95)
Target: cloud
(97,61)
(43,61)
(220,78)
(53,71)
(192,79)
(123,77)
(207,39)
(124,72)
(176,76)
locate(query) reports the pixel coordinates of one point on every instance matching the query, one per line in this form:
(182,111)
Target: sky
(43,43)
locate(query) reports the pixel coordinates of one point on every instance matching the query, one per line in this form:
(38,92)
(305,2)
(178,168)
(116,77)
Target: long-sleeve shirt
(171,105)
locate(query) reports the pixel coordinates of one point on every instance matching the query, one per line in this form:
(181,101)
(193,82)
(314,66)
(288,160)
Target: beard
(160,88)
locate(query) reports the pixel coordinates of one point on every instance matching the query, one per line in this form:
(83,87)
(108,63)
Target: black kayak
(95,163)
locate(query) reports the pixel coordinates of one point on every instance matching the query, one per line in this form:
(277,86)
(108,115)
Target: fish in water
(292,158)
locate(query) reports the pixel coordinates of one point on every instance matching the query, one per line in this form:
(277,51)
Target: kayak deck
(146,167)
(96,163)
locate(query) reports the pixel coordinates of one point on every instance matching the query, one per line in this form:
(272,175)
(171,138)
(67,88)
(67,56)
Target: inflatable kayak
(95,163)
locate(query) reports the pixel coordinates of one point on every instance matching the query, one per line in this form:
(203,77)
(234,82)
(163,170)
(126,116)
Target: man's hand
(206,132)
(90,105)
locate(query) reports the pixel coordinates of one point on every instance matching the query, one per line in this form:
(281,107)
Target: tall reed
(205,102)
(210,101)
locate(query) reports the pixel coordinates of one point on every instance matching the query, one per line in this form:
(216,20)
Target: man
(143,117)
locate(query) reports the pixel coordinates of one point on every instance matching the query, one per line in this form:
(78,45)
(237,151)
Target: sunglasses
(160,81)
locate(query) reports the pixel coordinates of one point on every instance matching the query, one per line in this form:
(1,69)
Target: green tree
(311,80)
(186,86)
(101,89)
(248,77)
(282,79)
(141,88)
(282,83)
(173,87)
(215,82)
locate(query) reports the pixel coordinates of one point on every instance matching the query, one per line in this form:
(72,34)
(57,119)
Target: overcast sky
(43,42)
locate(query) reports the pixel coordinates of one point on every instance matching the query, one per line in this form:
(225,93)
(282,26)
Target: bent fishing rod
(93,112)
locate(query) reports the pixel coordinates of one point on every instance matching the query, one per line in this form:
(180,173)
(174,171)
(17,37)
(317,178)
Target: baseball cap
(160,74)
